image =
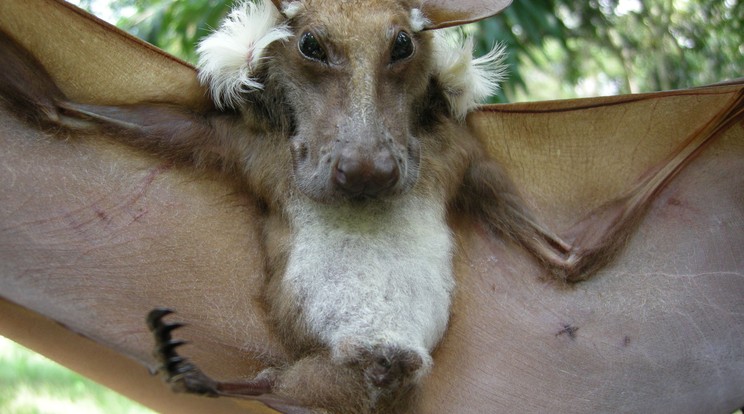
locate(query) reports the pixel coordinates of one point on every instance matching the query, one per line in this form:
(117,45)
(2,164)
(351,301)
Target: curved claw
(181,374)
(163,332)
(155,316)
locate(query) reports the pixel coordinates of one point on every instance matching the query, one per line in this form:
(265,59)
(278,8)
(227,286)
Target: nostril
(388,170)
(340,176)
(349,174)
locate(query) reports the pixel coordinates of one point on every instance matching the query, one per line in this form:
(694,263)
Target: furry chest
(378,273)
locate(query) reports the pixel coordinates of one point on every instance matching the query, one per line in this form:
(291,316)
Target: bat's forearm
(168,131)
(222,142)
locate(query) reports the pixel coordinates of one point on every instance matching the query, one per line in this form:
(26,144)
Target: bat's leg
(184,376)
(173,132)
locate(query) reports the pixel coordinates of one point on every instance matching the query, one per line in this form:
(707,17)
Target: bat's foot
(182,375)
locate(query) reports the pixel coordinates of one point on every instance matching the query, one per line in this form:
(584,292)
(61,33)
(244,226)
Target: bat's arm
(587,246)
(490,195)
(169,131)
(596,239)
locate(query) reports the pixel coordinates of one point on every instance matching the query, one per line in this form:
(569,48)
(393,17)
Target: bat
(150,123)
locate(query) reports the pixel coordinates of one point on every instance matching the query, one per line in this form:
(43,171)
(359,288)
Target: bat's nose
(360,175)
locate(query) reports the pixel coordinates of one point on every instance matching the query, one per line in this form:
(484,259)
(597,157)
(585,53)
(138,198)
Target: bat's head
(357,83)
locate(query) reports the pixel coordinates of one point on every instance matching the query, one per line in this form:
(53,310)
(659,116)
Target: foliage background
(32,384)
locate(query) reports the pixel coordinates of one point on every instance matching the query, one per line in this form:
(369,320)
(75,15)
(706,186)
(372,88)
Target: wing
(596,165)
(593,167)
(99,69)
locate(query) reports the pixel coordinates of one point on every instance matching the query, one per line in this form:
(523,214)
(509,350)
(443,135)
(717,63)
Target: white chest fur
(370,275)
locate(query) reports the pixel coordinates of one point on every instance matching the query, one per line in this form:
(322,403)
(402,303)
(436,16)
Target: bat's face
(354,74)
(362,83)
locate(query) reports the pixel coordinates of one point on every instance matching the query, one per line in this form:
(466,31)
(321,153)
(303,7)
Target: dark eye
(402,48)
(311,48)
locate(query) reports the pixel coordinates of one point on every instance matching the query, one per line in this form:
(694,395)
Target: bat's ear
(288,8)
(446,13)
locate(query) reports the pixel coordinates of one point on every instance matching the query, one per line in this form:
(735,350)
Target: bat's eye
(311,48)
(402,47)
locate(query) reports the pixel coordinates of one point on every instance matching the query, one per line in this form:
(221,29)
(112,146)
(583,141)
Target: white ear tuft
(291,9)
(229,57)
(467,82)
(418,20)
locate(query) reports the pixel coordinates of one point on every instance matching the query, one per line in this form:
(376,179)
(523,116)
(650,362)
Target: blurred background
(557,49)
(32,384)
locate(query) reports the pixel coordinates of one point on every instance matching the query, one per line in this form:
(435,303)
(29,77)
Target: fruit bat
(592,242)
